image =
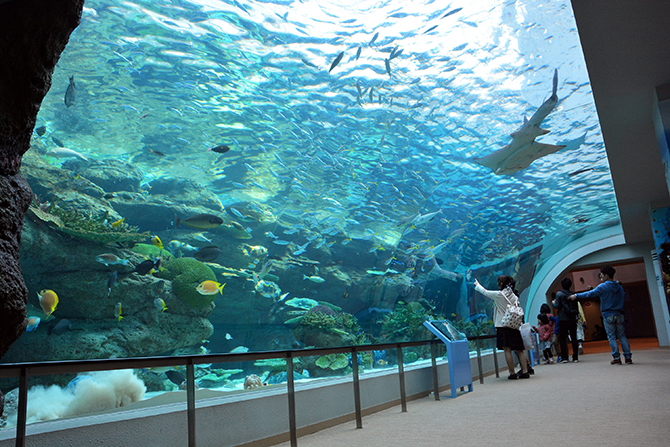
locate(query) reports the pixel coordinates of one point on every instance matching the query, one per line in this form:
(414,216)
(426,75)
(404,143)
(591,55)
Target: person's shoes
(551,361)
(628,361)
(575,360)
(616,362)
(581,350)
(530,370)
(566,361)
(512,377)
(523,375)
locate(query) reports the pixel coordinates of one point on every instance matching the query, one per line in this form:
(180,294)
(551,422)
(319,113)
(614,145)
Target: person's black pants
(566,328)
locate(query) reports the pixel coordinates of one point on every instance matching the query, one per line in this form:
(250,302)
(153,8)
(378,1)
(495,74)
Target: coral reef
(109,174)
(130,337)
(151,251)
(405,323)
(333,361)
(90,227)
(217,378)
(323,327)
(273,365)
(68,266)
(186,274)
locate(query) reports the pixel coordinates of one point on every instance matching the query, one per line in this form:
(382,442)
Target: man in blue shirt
(611,296)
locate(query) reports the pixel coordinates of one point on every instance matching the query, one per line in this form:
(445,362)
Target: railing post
(23,408)
(357,389)
(401,378)
(433,355)
(292,426)
(479,361)
(190,401)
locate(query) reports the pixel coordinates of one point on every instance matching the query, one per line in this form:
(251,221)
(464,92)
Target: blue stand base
(458,355)
(460,372)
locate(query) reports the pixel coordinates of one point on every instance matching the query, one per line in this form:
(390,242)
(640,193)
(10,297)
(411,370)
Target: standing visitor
(567,321)
(507,339)
(611,296)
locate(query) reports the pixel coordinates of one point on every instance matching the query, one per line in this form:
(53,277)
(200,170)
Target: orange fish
(48,300)
(210,288)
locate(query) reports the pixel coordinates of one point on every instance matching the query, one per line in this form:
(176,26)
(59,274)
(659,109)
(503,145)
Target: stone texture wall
(34,34)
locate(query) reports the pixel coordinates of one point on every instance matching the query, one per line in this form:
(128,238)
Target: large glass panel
(216,176)
(65,396)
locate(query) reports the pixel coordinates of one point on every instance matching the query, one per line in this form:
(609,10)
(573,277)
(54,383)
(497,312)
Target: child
(581,325)
(545,309)
(545,330)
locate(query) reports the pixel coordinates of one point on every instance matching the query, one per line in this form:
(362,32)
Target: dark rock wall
(34,34)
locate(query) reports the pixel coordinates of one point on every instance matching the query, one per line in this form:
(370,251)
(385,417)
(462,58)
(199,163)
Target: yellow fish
(117,312)
(160,304)
(118,223)
(210,288)
(48,300)
(157,242)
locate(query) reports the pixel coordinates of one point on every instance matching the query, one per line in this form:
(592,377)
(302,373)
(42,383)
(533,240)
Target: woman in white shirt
(507,339)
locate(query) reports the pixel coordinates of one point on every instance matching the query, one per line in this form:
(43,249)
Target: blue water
(347,155)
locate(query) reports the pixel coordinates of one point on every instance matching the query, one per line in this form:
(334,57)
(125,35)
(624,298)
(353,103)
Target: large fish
(63,152)
(70,93)
(200,221)
(523,150)
(207,254)
(421,219)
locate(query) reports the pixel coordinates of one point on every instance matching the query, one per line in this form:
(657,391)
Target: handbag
(526,336)
(513,317)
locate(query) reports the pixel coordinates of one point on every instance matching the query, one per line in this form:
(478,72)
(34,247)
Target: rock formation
(34,34)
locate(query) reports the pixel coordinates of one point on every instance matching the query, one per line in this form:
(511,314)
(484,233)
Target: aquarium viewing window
(225,176)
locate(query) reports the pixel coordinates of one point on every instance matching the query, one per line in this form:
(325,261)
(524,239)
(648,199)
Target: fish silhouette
(523,150)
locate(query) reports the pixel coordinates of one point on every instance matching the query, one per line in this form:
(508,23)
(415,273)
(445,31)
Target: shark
(523,150)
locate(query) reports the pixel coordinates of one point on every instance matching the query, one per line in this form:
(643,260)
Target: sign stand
(458,354)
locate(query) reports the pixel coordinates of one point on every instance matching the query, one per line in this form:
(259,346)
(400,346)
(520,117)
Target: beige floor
(591,403)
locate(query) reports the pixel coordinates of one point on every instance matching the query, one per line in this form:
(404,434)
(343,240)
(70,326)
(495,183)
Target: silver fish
(336,61)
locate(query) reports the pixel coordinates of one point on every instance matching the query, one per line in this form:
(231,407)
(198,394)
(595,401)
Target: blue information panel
(458,354)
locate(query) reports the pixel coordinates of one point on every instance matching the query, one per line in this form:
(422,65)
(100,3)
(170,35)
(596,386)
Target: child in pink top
(545,329)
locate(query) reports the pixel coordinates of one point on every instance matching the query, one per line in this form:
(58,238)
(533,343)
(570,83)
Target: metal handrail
(23,370)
